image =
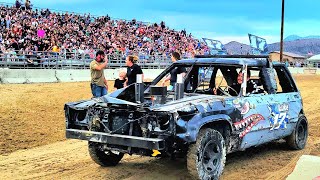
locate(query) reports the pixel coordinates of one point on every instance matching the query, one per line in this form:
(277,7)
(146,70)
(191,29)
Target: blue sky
(223,20)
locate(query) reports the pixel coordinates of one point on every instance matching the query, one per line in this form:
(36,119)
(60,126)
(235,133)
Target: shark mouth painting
(247,123)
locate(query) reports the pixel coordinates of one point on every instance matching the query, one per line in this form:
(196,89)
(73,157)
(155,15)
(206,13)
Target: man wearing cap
(99,84)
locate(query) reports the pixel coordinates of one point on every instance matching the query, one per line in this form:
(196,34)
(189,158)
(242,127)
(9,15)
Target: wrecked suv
(203,119)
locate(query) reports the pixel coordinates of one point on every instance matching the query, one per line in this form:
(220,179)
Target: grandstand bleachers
(42,37)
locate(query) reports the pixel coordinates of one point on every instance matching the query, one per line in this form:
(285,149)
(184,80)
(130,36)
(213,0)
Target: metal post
(179,88)
(281,38)
(139,88)
(5,60)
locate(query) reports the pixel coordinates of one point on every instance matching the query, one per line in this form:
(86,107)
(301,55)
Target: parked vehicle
(209,115)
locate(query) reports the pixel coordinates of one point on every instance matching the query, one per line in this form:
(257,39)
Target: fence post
(57,61)
(119,60)
(159,60)
(5,60)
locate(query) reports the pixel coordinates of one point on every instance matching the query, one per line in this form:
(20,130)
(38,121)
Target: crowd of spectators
(24,30)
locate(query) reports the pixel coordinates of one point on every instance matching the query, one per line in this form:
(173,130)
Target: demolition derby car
(209,114)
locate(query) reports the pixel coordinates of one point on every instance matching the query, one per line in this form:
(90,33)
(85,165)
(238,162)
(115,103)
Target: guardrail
(49,60)
(76,60)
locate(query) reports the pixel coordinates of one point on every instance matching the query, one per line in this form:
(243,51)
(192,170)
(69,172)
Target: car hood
(201,100)
(119,97)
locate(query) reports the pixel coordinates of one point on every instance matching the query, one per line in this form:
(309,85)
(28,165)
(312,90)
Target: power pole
(281,38)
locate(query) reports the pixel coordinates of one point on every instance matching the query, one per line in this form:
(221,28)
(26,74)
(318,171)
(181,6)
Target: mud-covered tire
(101,157)
(203,163)
(298,139)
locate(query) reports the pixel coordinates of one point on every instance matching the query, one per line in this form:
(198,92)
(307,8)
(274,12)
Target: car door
(286,106)
(255,125)
(274,113)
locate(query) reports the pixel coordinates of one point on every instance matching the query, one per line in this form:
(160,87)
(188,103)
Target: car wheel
(206,158)
(298,139)
(102,157)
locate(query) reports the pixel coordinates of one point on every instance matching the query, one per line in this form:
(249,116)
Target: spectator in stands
(132,70)
(86,32)
(175,56)
(18,4)
(119,82)
(27,4)
(99,84)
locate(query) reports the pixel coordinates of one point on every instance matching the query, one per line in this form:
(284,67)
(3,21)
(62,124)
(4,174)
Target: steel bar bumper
(116,139)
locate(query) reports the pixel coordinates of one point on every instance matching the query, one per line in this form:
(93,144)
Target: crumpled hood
(105,99)
(119,97)
(189,102)
(114,98)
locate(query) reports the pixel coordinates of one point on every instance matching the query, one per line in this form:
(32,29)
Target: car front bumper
(116,139)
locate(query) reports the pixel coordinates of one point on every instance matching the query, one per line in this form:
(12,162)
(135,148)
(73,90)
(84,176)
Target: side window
(279,90)
(167,76)
(199,79)
(204,77)
(284,81)
(255,82)
(220,79)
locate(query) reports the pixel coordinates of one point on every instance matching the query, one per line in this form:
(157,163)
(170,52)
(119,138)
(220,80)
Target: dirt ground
(33,146)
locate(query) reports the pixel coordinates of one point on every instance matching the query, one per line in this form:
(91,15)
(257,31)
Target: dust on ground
(32,115)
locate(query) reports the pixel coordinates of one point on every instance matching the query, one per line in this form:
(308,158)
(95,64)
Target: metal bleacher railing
(64,12)
(74,60)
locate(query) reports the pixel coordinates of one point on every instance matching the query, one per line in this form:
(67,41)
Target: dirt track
(27,122)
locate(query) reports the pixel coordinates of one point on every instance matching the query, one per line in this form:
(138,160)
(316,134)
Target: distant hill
(235,47)
(301,47)
(296,37)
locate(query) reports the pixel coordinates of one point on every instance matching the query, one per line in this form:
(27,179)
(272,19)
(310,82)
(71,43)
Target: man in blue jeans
(99,84)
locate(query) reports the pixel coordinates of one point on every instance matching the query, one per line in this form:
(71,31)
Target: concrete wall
(19,76)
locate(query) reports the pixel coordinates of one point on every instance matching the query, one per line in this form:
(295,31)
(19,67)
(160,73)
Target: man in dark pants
(99,84)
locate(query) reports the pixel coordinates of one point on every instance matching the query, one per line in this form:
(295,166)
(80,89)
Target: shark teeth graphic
(248,123)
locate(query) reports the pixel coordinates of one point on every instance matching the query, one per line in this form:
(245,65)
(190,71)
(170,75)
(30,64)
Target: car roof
(230,60)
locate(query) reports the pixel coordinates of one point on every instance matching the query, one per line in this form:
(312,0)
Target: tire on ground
(101,157)
(298,139)
(206,158)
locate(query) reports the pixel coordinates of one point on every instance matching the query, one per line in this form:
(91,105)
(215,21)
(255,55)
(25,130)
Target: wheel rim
(301,134)
(211,157)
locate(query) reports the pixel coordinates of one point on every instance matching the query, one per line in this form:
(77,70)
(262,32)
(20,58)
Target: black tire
(101,157)
(298,139)
(205,164)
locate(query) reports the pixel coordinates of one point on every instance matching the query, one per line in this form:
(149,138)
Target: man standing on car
(99,84)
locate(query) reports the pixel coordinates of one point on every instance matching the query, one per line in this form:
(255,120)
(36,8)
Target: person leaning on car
(175,56)
(99,84)
(132,70)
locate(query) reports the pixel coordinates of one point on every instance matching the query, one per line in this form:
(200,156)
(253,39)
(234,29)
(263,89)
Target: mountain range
(296,37)
(293,44)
